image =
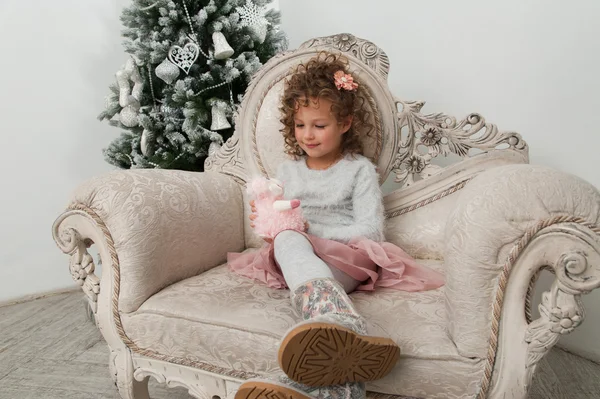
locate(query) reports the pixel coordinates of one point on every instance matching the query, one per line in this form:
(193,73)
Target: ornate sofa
(169,308)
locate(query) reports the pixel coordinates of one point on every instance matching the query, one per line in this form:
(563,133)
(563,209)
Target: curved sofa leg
(121,367)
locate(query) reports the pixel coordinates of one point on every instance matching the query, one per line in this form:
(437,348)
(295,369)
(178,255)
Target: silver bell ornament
(167,71)
(219,119)
(222,49)
(259,32)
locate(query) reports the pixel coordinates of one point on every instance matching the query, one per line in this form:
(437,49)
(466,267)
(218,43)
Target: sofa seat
(231,322)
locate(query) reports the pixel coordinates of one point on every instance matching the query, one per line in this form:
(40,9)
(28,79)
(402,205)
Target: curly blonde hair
(315,80)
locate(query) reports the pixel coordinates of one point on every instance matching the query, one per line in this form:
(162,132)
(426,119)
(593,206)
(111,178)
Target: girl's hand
(253,217)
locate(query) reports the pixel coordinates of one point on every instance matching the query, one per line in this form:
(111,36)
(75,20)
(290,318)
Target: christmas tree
(190,63)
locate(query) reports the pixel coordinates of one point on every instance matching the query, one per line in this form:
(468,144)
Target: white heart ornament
(184,57)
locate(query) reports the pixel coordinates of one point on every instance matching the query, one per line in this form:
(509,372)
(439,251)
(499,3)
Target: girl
(342,249)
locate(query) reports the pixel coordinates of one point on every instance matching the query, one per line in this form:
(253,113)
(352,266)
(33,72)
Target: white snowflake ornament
(254,18)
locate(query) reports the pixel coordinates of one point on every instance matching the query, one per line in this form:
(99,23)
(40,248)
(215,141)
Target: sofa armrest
(498,215)
(164,226)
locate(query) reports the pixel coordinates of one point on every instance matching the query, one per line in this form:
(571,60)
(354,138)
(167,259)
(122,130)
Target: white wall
(58,58)
(528,66)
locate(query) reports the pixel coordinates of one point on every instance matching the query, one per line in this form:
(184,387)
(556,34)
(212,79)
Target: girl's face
(319,133)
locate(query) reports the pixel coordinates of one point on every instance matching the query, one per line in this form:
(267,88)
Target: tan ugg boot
(281,387)
(331,345)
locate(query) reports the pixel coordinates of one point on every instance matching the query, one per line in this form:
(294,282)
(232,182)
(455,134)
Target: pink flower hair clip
(344,81)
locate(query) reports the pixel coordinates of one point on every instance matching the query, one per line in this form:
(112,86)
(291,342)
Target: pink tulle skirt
(373,263)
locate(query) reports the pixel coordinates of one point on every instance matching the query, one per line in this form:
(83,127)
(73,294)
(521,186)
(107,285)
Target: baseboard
(33,297)
(589,355)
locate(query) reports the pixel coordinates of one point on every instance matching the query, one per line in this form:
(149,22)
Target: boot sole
(321,354)
(266,390)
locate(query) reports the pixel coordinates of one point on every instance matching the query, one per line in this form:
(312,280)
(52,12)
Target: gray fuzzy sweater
(339,203)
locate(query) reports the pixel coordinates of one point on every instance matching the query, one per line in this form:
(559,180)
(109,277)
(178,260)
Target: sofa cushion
(231,322)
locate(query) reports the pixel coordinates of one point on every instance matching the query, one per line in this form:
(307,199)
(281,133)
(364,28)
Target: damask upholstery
(421,232)
(159,218)
(231,322)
